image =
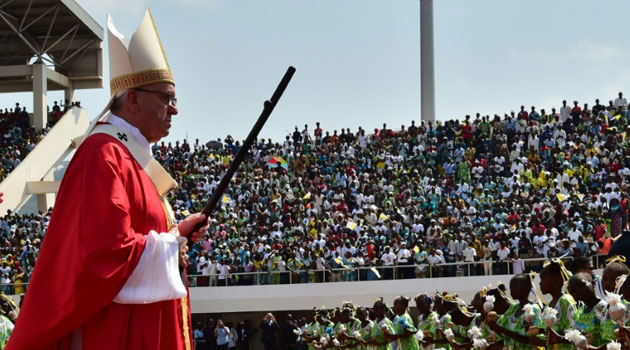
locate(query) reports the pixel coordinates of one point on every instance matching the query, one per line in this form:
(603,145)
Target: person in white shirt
(565,111)
(539,243)
(388,258)
(321,242)
(224,274)
(469,253)
(518,266)
(403,254)
(487,260)
(574,234)
(495,245)
(515,240)
(403,259)
(5,269)
(620,102)
(503,255)
(418,227)
(348,248)
(469,256)
(320,264)
(549,243)
(435,257)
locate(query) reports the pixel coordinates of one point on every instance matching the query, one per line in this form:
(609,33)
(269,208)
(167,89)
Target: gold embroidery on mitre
(145,77)
(158,39)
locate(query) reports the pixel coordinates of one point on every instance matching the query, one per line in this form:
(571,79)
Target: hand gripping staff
(247,145)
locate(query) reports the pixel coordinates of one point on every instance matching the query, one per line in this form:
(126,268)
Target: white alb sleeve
(156,277)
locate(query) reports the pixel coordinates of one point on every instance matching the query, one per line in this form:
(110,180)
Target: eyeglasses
(172,100)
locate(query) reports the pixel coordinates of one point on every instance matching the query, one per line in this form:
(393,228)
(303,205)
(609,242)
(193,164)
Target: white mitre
(134,62)
(137,61)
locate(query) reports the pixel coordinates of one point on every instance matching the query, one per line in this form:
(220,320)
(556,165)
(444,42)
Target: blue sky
(358,60)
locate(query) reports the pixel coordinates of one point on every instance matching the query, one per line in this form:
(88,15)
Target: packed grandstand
(463,197)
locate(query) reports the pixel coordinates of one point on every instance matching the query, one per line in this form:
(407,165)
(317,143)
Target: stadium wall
(305,296)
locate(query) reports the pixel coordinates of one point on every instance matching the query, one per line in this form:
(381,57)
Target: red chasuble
(105,207)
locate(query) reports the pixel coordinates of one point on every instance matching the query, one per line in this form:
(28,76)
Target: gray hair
(118,102)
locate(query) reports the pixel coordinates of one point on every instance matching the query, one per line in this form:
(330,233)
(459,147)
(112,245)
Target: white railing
(393,272)
(396,272)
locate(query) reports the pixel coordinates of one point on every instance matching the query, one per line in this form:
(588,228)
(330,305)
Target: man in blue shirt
(222,333)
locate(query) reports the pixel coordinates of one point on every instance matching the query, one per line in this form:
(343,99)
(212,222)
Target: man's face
(155,112)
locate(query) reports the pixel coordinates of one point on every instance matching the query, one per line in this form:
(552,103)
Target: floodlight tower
(427,69)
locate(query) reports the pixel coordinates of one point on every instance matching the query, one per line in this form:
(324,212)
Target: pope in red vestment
(107,276)
(106,206)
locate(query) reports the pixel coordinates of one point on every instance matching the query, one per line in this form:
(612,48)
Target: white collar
(130,129)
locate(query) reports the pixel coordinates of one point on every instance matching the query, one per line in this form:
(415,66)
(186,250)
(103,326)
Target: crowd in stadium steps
(567,309)
(488,190)
(18,138)
(529,184)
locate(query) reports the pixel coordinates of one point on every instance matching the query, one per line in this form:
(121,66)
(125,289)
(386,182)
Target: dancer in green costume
(426,317)
(6,327)
(615,268)
(463,321)
(512,325)
(324,326)
(404,330)
(589,316)
(351,325)
(381,327)
(553,277)
(365,329)
(310,331)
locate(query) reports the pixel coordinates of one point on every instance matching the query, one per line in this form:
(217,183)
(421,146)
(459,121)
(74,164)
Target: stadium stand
(19,137)
(493,190)
(344,206)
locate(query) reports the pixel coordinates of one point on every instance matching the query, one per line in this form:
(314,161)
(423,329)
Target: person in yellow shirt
(526,175)
(585,173)
(539,181)
(18,280)
(532,157)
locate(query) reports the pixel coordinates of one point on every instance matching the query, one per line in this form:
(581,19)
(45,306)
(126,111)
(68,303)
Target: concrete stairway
(34,175)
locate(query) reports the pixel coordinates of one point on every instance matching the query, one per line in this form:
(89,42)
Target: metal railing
(11,288)
(371,273)
(360,273)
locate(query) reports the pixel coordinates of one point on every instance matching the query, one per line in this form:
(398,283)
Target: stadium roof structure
(58,33)
(48,45)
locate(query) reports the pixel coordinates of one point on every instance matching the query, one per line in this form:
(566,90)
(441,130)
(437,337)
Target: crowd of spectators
(20,240)
(491,190)
(18,137)
(17,140)
(343,205)
(21,235)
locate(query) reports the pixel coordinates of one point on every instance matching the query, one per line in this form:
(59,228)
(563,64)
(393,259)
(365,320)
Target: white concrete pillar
(46,200)
(68,94)
(40,90)
(427,69)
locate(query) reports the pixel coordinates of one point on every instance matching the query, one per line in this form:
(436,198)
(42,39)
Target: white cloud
(584,50)
(600,52)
